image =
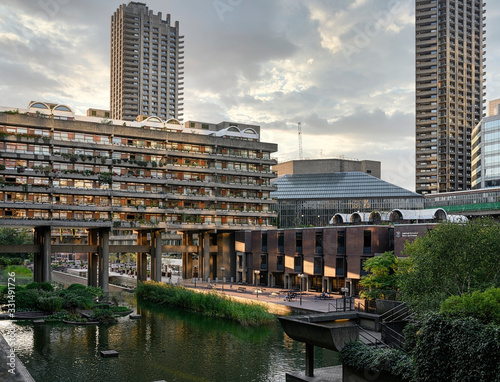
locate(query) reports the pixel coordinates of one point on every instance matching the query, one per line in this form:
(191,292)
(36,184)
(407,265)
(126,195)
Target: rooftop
(338,185)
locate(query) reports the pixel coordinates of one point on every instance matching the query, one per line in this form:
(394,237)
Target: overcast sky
(343,68)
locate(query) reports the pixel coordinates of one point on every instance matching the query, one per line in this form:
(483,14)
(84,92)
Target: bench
(241,289)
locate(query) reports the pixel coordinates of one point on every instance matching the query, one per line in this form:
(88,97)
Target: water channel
(165,344)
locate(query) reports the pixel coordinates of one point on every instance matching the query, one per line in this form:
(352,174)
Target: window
(339,267)
(264,242)
(297,264)
(298,242)
(367,241)
(341,242)
(281,242)
(280,264)
(319,242)
(263,262)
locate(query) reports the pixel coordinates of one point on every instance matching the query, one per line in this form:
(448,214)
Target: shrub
(456,350)
(26,299)
(104,316)
(362,357)
(50,304)
(484,306)
(32,285)
(46,287)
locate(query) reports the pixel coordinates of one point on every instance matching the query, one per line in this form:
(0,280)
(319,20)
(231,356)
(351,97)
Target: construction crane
(300,140)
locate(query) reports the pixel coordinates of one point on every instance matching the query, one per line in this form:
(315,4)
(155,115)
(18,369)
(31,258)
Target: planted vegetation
(209,304)
(63,304)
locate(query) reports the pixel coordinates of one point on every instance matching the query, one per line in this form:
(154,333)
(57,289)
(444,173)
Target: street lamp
(344,290)
(301,276)
(257,273)
(223,270)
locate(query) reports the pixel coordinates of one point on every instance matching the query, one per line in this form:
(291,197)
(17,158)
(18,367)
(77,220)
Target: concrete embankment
(11,368)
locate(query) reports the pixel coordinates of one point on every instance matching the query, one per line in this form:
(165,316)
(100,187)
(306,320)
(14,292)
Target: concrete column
(142,258)
(309,360)
(156,256)
(92,239)
(206,256)
(187,258)
(46,255)
(224,254)
(37,259)
(104,260)
(244,268)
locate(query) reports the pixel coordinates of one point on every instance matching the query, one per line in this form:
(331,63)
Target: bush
(484,306)
(76,287)
(457,350)
(33,285)
(50,304)
(362,357)
(46,287)
(26,299)
(104,316)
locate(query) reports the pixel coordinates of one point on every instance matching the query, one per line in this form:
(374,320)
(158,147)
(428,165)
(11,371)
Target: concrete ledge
(325,374)
(8,372)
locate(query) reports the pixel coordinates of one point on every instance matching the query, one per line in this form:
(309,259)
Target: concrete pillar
(42,260)
(206,256)
(156,256)
(187,257)
(142,258)
(224,254)
(244,268)
(92,238)
(37,259)
(104,260)
(309,360)
(46,256)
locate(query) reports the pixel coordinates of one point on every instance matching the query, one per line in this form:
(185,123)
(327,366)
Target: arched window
(39,105)
(62,108)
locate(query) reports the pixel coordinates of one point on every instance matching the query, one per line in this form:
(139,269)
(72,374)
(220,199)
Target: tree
(14,236)
(382,280)
(452,259)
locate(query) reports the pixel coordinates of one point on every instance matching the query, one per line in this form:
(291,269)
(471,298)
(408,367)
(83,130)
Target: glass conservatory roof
(345,185)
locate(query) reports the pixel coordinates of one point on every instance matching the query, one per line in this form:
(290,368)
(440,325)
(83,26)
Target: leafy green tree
(452,259)
(381,282)
(484,306)
(14,236)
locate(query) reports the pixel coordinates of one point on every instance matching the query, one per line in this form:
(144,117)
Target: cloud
(345,69)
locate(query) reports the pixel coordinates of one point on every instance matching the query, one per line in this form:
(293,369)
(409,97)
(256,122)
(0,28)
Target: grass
(210,304)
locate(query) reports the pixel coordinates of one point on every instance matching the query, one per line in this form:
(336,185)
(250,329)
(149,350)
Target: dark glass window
(298,242)
(341,242)
(339,267)
(280,263)
(297,264)
(264,242)
(367,241)
(319,242)
(263,262)
(281,242)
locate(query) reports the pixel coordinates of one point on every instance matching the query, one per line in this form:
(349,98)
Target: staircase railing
(370,338)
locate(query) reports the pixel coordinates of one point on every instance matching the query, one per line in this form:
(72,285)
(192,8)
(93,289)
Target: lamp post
(301,276)
(344,290)
(223,270)
(257,273)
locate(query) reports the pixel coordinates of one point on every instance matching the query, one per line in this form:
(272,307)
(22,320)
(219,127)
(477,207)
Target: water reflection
(168,344)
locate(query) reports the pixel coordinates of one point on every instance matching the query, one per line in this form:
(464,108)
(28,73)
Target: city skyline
(340,69)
